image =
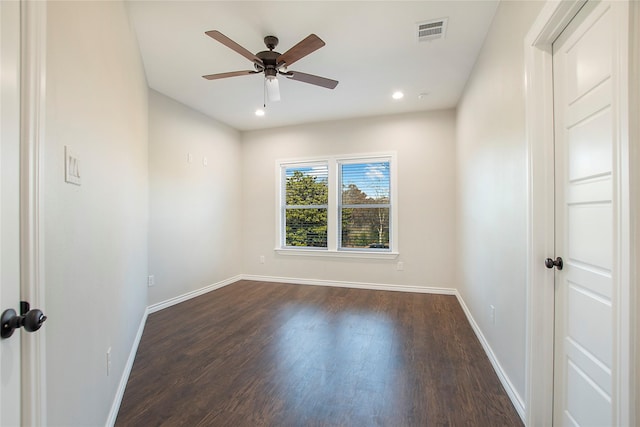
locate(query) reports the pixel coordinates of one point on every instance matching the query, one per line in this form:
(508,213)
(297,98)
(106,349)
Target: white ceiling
(371,48)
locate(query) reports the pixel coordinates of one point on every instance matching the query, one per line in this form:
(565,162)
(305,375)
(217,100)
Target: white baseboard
(515,397)
(115,407)
(117,400)
(356,285)
(184,297)
(504,379)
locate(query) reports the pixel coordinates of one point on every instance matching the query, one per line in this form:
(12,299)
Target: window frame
(283,204)
(333,213)
(341,206)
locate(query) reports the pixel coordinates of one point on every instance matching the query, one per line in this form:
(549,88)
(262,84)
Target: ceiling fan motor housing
(269,58)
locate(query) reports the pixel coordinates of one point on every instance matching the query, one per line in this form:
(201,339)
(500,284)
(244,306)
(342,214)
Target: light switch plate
(71,167)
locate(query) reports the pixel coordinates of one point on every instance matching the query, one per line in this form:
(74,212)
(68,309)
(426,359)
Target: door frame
(551,21)
(33,30)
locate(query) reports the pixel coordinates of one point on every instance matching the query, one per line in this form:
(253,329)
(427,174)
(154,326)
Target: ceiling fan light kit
(273,89)
(271,63)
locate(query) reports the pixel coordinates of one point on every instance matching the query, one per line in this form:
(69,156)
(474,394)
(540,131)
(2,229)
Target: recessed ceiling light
(397,95)
(259,112)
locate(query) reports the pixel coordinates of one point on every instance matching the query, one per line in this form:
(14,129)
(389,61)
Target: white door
(9,206)
(585,147)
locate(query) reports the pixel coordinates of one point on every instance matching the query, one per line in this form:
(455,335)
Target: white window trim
(332,249)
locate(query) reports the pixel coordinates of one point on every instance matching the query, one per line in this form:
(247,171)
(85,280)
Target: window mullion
(332,209)
(307,206)
(366,205)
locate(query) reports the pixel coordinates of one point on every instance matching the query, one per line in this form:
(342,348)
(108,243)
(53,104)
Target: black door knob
(32,320)
(550,263)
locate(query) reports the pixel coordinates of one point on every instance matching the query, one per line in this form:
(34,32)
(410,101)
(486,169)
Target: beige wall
(424,143)
(194,210)
(492,189)
(95,246)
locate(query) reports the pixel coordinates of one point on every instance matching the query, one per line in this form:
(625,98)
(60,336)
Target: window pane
(307,185)
(365,228)
(365,183)
(306,199)
(306,227)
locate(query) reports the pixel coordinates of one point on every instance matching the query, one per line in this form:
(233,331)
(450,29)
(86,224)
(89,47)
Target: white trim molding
(122,385)
(440,290)
(189,295)
(513,394)
(336,254)
(551,21)
(515,397)
(32,288)
(540,209)
(634,148)
(355,285)
(623,302)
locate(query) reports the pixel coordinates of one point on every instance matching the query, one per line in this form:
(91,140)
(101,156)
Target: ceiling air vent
(431,30)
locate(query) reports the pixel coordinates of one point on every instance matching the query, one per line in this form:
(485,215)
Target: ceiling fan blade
(217,35)
(229,74)
(311,79)
(310,44)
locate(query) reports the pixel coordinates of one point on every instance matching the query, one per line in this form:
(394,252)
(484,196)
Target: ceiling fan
(272,63)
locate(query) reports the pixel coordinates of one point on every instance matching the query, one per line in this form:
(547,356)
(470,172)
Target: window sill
(337,254)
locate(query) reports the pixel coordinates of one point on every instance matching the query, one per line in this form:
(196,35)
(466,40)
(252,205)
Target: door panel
(589,146)
(582,393)
(9,206)
(584,150)
(590,103)
(589,325)
(590,233)
(590,44)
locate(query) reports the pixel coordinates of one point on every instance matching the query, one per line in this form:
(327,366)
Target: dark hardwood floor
(271,354)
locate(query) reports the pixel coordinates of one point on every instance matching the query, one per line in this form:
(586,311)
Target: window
(338,206)
(306,204)
(364,205)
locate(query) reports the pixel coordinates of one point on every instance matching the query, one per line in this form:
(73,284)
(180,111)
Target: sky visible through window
(370,178)
(321,172)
